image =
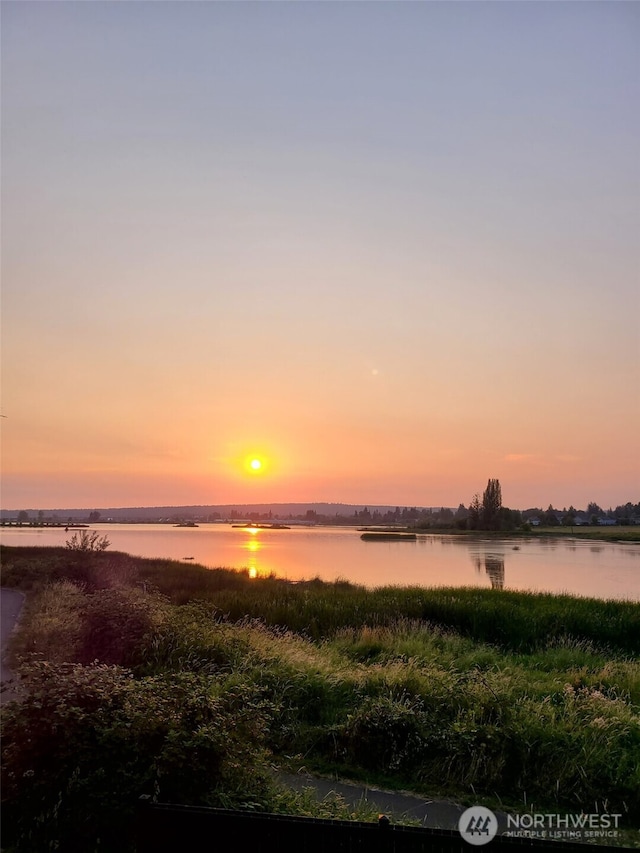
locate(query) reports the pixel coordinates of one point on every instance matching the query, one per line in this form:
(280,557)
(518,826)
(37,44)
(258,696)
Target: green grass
(615,533)
(507,697)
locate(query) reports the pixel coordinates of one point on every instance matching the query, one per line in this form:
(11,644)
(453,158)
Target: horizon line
(257,505)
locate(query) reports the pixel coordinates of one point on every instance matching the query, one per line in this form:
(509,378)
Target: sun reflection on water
(255,546)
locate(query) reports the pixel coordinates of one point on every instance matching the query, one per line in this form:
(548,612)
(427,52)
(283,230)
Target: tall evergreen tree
(491,505)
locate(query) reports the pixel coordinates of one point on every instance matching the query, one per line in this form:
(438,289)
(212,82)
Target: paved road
(437,814)
(11,603)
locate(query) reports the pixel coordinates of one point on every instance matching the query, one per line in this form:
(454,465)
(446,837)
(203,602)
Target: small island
(388,536)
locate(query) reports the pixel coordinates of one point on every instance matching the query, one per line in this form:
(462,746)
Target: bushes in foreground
(85,742)
(581,747)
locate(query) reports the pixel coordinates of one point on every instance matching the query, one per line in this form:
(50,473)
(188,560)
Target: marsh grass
(517,697)
(517,621)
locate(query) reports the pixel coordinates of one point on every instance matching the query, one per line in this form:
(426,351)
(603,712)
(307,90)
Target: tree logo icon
(478,825)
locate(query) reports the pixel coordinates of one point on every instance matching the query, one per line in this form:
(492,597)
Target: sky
(388,249)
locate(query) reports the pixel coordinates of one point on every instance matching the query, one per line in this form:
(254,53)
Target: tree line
(484,512)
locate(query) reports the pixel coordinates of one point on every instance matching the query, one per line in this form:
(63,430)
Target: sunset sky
(389,249)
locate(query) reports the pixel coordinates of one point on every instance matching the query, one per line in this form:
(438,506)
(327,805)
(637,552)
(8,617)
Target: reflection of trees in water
(493,565)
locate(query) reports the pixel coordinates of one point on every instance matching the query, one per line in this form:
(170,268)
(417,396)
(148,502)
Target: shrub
(85,742)
(385,734)
(115,626)
(85,541)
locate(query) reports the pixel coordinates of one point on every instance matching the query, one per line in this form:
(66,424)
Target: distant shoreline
(613,533)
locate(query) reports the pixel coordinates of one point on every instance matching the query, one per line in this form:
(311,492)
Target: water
(577,566)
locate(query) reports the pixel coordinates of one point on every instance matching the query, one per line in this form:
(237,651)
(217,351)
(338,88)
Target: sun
(256,464)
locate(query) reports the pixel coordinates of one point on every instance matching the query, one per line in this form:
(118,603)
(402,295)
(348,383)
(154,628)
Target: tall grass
(518,621)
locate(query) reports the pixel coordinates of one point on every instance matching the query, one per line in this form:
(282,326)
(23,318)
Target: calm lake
(577,566)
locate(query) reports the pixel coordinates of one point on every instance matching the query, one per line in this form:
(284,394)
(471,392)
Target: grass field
(614,533)
(153,676)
